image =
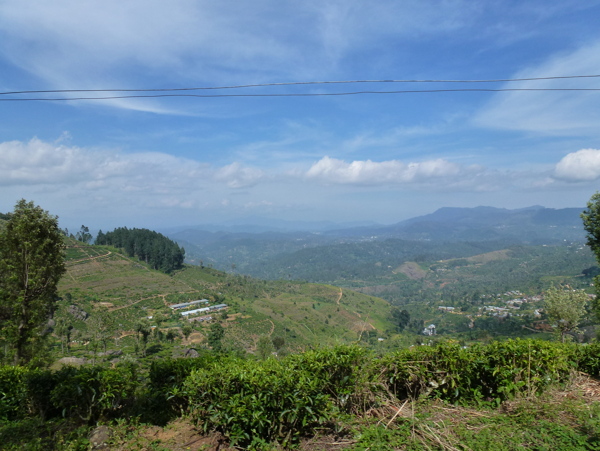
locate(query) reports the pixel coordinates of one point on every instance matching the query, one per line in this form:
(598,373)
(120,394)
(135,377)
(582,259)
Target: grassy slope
(302,313)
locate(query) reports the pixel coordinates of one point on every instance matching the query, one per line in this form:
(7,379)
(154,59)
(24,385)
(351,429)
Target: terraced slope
(102,278)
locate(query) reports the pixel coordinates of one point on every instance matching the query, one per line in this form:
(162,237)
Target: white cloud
(37,162)
(238,176)
(580,166)
(559,112)
(391,172)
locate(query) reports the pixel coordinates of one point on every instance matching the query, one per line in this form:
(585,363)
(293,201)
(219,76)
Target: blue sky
(382,157)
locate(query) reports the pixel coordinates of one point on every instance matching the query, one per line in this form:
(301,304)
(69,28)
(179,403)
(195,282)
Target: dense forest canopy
(155,249)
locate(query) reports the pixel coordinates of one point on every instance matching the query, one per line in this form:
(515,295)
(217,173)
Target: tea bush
(280,400)
(340,372)
(254,401)
(167,373)
(490,373)
(13,393)
(589,358)
(513,366)
(446,371)
(91,393)
(39,385)
(164,398)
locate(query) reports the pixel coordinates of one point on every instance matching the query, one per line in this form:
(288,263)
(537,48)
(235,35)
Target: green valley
(385,344)
(103,279)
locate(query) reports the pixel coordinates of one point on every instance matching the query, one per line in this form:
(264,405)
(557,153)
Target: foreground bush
(254,402)
(13,392)
(490,373)
(91,393)
(87,393)
(588,357)
(164,398)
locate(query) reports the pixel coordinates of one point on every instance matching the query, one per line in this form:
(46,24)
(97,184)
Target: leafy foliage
(31,264)
(13,392)
(565,308)
(84,235)
(591,224)
(91,393)
(252,401)
(215,336)
(256,402)
(491,373)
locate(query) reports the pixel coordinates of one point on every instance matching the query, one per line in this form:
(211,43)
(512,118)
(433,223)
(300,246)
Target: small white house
(429,330)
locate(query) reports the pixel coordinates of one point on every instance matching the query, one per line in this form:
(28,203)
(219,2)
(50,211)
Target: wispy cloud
(552,113)
(109,43)
(237,176)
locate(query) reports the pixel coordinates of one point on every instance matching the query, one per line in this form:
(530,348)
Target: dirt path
(272,328)
(133,303)
(89,258)
(339,297)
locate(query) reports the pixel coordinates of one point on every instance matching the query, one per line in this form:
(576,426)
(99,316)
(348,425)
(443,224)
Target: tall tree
(264,347)
(401,318)
(63,330)
(31,264)
(215,336)
(84,235)
(143,330)
(565,308)
(591,224)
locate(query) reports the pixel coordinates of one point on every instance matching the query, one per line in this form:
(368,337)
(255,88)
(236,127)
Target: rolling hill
(102,279)
(446,233)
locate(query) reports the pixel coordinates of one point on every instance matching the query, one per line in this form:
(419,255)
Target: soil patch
(412,270)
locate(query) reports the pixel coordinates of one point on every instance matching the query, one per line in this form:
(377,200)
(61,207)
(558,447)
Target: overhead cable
(260,85)
(316,94)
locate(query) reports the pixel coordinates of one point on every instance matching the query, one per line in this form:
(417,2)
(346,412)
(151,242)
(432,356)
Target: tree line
(155,249)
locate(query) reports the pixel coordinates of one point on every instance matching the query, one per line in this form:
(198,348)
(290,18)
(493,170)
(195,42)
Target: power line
(295,83)
(321,94)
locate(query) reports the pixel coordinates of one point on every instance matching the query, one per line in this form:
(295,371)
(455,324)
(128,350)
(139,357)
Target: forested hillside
(366,254)
(154,248)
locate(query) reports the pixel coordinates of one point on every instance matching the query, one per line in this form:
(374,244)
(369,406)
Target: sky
(160,162)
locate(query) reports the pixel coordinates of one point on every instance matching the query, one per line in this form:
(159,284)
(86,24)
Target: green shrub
(94,392)
(13,393)
(589,359)
(39,385)
(513,366)
(168,373)
(164,398)
(494,372)
(338,372)
(445,371)
(254,402)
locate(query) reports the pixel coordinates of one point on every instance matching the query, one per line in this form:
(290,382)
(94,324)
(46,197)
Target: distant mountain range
(534,225)
(246,246)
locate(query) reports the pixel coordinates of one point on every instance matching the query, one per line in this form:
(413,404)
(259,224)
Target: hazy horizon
(165,161)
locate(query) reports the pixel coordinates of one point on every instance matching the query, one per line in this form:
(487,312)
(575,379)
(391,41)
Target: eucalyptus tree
(591,224)
(32,262)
